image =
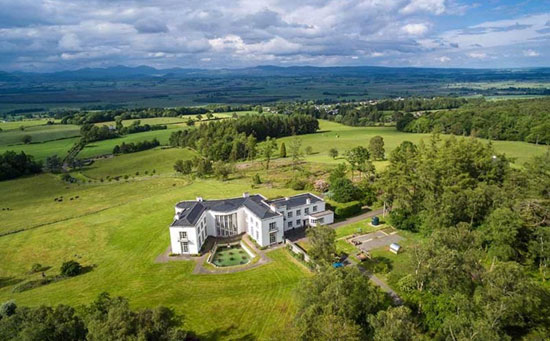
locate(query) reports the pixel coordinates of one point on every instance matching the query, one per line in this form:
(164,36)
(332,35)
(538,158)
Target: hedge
(348,209)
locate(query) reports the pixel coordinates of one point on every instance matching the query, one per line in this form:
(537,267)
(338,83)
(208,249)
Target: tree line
(91,132)
(512,120)
(106,318)
(231,140)
(133,147)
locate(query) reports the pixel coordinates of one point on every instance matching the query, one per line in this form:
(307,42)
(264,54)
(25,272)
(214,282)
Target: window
(272,238)
(298,212)
(298,222)
(306,210)
(314,208)
(226,225)
(257,235)
(272,226)
(183,235)
(289,224)
(321,220)
(290,214)
(185,247)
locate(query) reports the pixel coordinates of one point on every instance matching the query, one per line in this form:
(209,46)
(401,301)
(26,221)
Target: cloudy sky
(47,35)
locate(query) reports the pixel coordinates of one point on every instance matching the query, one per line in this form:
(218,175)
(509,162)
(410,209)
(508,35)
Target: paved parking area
(376,240)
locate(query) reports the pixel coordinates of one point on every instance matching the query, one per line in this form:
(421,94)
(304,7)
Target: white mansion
(264,220)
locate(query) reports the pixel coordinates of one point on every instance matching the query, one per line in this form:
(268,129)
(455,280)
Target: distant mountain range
(146,72)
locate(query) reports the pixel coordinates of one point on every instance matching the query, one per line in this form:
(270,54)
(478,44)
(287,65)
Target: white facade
(263,220)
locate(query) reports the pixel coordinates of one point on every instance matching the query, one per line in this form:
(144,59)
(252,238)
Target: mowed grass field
(120,228)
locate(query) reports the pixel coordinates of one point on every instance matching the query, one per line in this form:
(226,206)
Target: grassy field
(121,227)
(343,138)
(39,134)
(41,151)
(8,125)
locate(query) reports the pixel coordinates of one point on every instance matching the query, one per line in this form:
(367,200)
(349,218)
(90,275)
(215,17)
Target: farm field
(39,133)
(120,228)
(41,151)
(23,123)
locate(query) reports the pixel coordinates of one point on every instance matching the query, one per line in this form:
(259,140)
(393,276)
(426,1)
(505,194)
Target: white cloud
(531,53)
(432,6)
(478,55)
(415,29)
(443,59)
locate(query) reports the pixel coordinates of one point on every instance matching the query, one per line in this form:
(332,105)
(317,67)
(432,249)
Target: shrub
(321,185)
(347,209)
(297,184)
(8,308)
(71,268)
(256,179)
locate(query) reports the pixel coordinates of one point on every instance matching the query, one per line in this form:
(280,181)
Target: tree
(336,298)
(267,150)
(183,167)
(234,115)
(343,190)
(209,116)
(27,139)
(282,150)
(71,268)
(339,172)
(251,150)
(323,243)
(204,167)
(309,150)
(333,153)
(199,117)
(376,148)
(54,164)
(394,324)
(357,157)
(500,232)
(296,151)
(222,170)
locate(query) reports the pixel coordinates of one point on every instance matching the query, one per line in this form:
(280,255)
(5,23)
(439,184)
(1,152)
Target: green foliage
(267,150)
(333,153)
(376,148)
(520,120)
(91,133)
(26,139)
(222,170)
(394,324)
(357,158)
(70,268)
(334,299)
(344,190)
(126,148)
(323,243)
(105,319)
(256,180)
(230,139)
(53,164)
(347,209)
(13,165)
(296,151)
(297,183)
(183,167)
(282,150)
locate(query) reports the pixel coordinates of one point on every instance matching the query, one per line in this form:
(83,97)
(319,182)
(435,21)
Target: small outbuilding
(395,248)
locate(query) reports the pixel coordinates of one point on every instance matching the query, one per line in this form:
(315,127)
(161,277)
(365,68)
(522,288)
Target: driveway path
(386,288)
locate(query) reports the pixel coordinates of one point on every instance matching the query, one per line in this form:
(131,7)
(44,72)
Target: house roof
(321,214)
(296,200)
(192,210)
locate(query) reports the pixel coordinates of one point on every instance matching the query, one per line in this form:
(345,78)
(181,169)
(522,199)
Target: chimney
(199,199)
(273,208)
(308,200)
(245,195)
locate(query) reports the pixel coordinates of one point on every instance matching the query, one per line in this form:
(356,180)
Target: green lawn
(39,133)
(121,228)
(225,256)
(161,160)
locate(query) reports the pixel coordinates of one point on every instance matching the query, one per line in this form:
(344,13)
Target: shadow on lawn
(45,280)
(222,334)
(7,281)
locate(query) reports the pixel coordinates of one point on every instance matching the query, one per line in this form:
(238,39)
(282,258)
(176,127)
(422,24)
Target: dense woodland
(479,272)
(236,139)
(512,120)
